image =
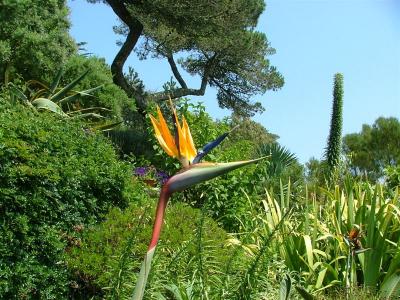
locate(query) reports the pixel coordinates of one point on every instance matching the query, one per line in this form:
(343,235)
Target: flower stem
(146,265)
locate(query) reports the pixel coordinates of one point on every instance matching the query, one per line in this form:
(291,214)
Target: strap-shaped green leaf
(391,287)
(285,288)
(43,103)
(64,91)
(55,82)
(144,273)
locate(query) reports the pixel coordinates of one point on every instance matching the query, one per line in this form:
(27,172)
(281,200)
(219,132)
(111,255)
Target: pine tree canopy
(215,40)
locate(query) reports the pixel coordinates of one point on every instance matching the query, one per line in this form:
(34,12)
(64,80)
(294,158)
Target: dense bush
(191,249)
(393,176)
(33,45)
(54,176)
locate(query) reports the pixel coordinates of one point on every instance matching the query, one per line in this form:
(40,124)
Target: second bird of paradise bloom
(180,146)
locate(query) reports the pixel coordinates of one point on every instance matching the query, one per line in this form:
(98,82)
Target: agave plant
(53,98)
(181,146)
(280,158)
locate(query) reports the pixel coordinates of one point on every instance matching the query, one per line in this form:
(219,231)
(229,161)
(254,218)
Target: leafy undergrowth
(54,178)
(192,252)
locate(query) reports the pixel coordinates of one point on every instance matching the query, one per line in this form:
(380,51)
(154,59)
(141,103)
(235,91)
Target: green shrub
(191,249)
(393,176)
(54,176)
(33,45)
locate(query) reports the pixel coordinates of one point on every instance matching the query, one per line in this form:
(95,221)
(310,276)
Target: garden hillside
(56,176)
(109,190)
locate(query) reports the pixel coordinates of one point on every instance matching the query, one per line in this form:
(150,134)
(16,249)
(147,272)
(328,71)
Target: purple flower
(151,173)
(162,176)
(141,171)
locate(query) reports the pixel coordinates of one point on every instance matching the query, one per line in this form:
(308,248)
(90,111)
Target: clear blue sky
(314,39)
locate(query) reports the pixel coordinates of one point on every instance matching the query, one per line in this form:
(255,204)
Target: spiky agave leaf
(65,90)
(46,104)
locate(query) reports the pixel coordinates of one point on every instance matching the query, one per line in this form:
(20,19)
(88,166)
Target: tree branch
(226,91)
(184,90)
(175,70)
(120,10)
(177,93)
(135,31)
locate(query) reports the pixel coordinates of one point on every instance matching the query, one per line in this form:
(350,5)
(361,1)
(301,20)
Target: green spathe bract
(202,172)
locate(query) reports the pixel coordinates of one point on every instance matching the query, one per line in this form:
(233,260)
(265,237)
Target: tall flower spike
(184,149)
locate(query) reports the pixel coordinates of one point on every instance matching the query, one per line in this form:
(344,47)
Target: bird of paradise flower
(180,146)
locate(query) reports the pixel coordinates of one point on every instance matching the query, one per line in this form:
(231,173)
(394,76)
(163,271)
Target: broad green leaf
(321,277)
(106,127)
(90,109)
(175,291)
(286,286)
(309,250)
(77,94)
(64,91)
(46,104)
(391,287)
(55,82)
(87,115)
(38,83)
(143,275)
(17,92)
(304,293)
(321,253)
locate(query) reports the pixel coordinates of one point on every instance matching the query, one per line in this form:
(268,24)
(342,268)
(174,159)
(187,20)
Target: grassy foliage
(314,243)
(54,176)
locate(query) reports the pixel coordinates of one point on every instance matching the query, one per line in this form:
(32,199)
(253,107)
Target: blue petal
(211,145)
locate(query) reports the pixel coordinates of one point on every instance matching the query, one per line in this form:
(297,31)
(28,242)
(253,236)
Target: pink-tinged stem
(162,204)
(146,265)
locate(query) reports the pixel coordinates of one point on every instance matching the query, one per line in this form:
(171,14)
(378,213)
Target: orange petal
(160,138)
(190,148)
(168,138)
(181,137)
